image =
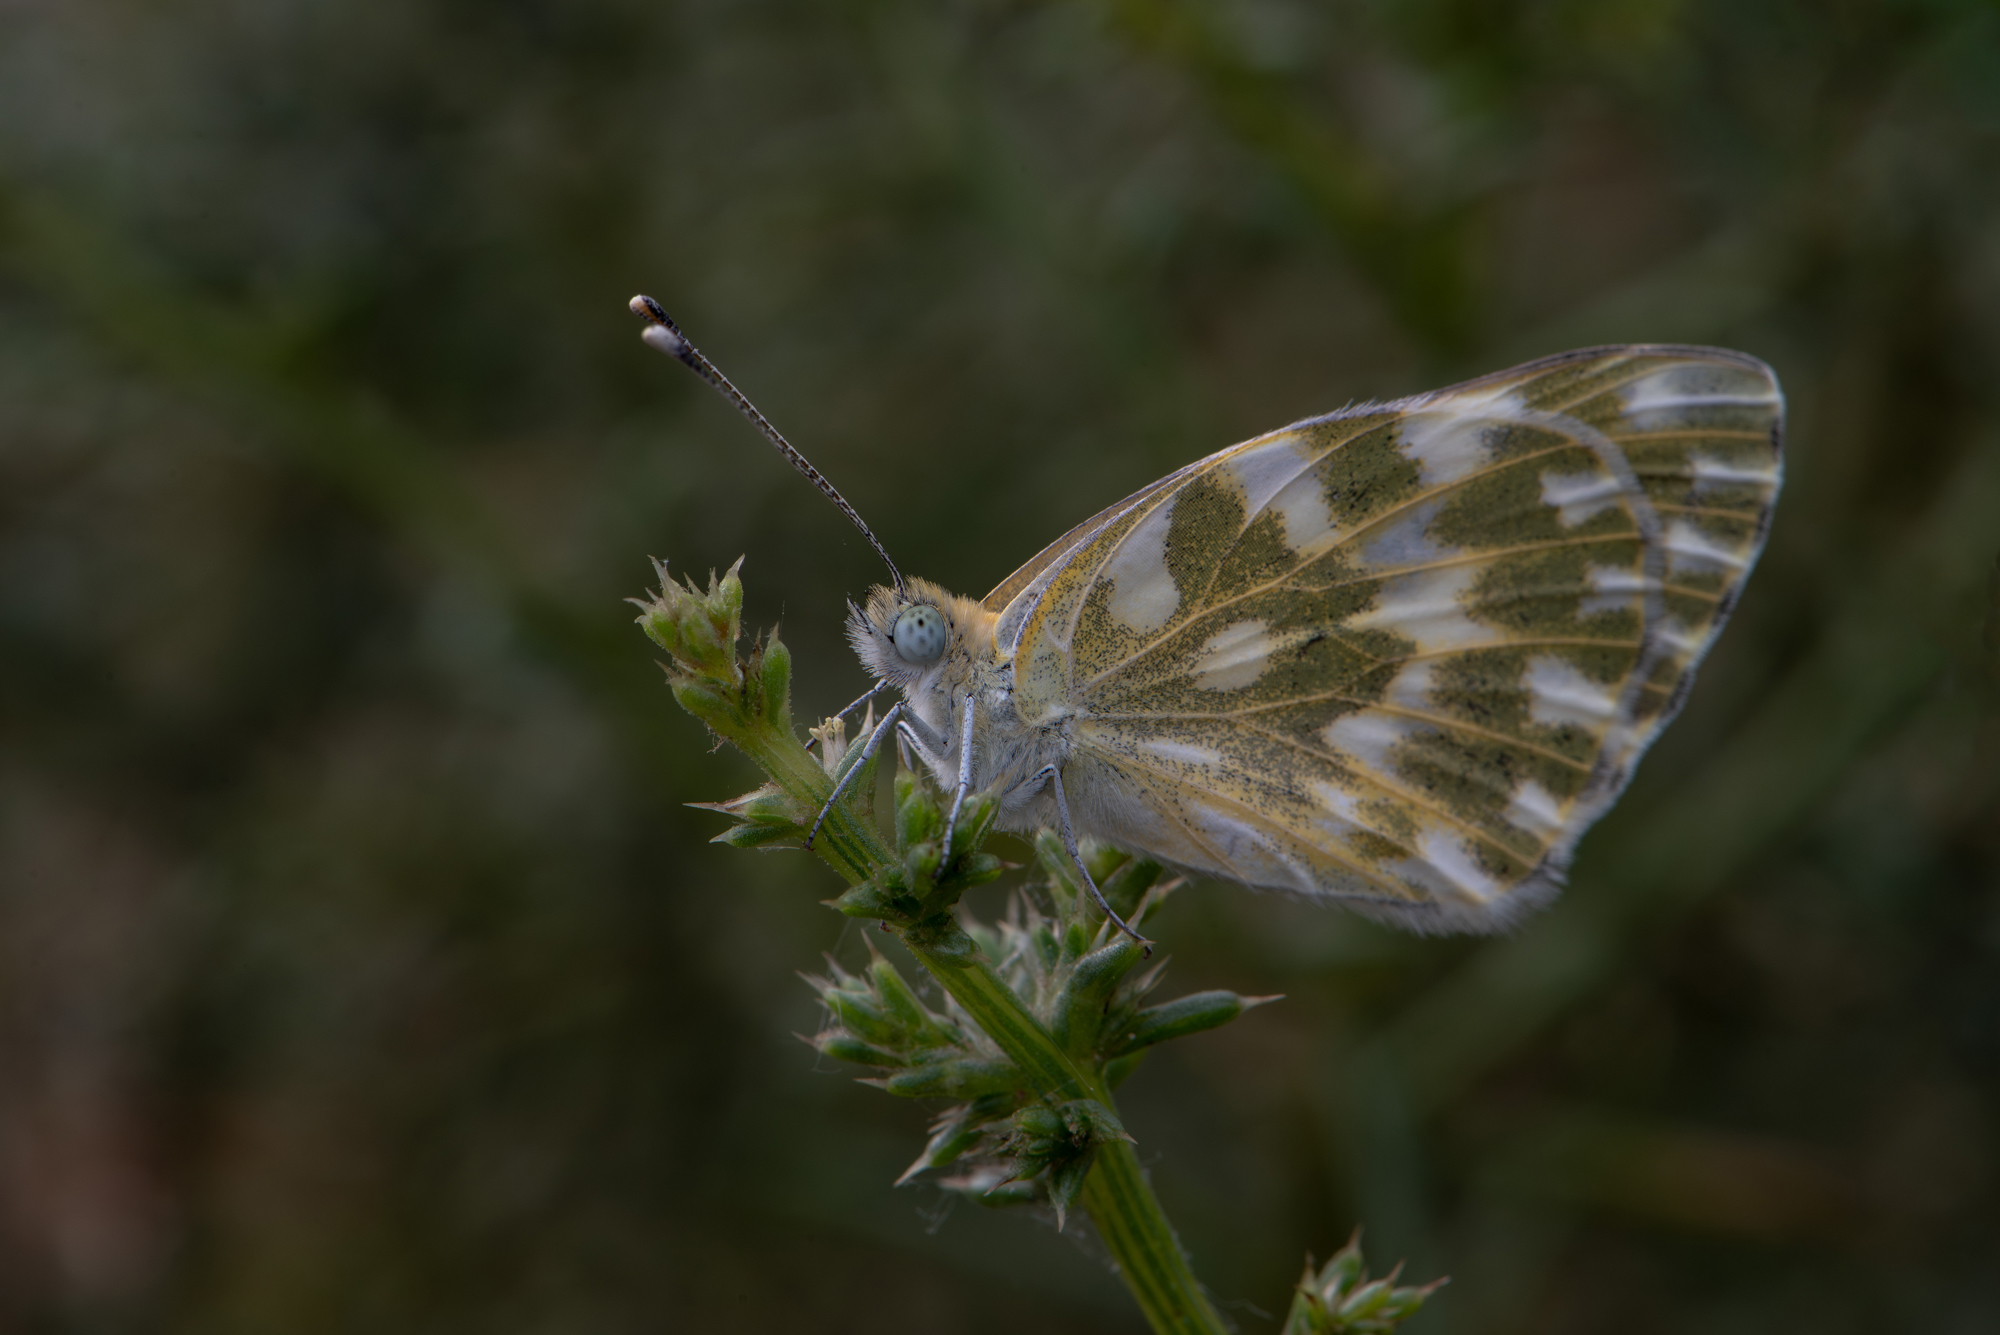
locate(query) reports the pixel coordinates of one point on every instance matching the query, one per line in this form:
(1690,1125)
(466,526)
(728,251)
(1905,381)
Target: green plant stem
(1116,1195)
(853,847)
(1120,1201)
(956,963)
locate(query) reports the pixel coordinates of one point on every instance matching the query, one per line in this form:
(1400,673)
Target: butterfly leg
(1054,777)
(868,750)
(964,775)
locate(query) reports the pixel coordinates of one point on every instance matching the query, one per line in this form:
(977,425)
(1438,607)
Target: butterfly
(1400,656)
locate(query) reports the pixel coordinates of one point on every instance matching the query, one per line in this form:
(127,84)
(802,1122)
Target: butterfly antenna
(664,334)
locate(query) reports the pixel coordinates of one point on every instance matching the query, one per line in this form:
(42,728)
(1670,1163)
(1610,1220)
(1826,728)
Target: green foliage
(926,880)
(1003,1141)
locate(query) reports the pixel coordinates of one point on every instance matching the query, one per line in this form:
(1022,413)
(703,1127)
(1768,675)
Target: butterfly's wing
(1008,589)
(1406,653)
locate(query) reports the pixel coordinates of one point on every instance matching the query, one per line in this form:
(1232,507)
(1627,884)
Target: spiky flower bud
(744,702)
(1079,976)
(1178,1018)
(1340,1299)
(924,885)
(1055,1143)
(698,630)
(1079,1009)
(955,1078)
(764,817)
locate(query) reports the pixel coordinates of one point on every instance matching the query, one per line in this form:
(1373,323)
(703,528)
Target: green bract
(1340,1299)
(1003,1141)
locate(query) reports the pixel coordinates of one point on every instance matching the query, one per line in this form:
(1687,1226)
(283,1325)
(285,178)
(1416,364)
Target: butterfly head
(920,632)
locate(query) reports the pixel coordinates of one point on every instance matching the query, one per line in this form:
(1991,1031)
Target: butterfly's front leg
(889,720)
(935,747)
(1053,777)
(964,774)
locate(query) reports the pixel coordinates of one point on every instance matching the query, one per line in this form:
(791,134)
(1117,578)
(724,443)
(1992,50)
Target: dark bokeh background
(360,967)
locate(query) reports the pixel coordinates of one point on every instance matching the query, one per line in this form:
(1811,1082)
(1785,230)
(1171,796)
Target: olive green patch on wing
(1413,647)
(1702,437)
(1244,804)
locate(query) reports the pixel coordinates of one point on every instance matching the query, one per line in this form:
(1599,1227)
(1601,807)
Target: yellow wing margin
(1405,654)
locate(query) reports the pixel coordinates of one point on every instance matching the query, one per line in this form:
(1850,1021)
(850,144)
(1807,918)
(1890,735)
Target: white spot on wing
(1444,870)
(1691,550)
(1446,436)
(1711,474)
(1698,386)
(1143,595)
(1579,496)
(1340,802)
(1181,753)
(1406,540)
(1411,687)
(1262,471)
(1446,446)
(1302,506)
(1534,809)
(1622,745)
(1234,657)
(1613,589)
(1559,693)
(1677,637)
(1425,606)
(1448,854)
(1250,852)
(1367,735)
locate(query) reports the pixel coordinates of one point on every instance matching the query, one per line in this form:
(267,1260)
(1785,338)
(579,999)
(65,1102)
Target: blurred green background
(360,967)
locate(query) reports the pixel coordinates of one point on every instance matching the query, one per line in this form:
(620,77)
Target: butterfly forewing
(1407,652)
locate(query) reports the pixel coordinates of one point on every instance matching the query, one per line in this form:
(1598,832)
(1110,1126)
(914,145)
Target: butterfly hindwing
(1405,653)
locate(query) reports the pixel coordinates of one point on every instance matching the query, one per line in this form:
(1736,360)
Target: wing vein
(1407,795)
(1728,433)
(1270,584)
(1249,519)
(1257,817)
(1192,472)
(1640,372)
(1714,512)
(1579,641)
(1402,710)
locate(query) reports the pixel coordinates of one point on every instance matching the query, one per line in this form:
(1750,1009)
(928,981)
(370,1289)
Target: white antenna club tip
(665,339)
(661,334)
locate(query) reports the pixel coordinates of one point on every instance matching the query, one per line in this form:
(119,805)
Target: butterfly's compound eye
(920,635)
